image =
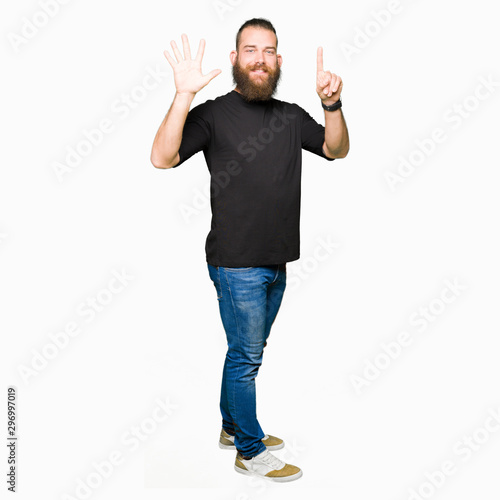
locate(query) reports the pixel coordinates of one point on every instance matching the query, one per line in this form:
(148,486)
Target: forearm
(165,151)
(336,135)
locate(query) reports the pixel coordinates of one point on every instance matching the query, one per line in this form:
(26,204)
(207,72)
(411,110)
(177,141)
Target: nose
(260,57)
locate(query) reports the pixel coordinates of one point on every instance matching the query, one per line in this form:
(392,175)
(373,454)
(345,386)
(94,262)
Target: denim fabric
(249,300)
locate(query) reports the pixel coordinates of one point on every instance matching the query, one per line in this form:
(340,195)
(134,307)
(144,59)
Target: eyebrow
(255,46)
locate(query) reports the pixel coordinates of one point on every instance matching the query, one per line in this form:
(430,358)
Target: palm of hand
(188,76)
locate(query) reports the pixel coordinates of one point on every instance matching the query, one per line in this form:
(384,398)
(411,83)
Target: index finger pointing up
(320,58)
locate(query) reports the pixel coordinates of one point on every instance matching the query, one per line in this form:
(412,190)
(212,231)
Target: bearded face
(256,81)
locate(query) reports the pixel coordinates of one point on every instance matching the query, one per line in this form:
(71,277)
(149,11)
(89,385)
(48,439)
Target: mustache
(262,67)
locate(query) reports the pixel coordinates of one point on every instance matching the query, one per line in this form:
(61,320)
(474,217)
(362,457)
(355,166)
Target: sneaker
(267,466)
(226,441)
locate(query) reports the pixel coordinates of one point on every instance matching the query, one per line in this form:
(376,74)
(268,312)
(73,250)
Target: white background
(160,337)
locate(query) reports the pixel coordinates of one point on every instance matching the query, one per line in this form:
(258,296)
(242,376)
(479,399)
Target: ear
(280,60)
(233,56)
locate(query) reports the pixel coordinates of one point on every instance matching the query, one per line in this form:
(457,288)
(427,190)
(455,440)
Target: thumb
(210,76)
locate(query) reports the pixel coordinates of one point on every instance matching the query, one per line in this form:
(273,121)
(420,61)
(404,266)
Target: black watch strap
(333,107)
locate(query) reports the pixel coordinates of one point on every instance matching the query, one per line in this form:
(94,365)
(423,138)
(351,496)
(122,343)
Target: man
(252,145)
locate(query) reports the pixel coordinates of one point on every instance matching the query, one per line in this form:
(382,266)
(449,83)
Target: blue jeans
(249,300)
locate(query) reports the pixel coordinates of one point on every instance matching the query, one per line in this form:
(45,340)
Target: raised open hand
(328,85)
(187,72)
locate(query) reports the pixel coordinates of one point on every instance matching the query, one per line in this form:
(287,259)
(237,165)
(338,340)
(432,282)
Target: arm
(165,151)
(329,87)
(188,81)
(336,143)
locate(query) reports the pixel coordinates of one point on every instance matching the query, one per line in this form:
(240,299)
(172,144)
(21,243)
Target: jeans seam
(233,389)
(220,285)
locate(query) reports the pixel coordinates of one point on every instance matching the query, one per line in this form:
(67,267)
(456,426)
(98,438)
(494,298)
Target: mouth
(259,71)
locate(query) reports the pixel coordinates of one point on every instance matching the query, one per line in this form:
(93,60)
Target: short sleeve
(313,135)
(196,132)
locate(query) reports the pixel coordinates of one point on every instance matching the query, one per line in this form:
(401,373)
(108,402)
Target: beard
(256,88)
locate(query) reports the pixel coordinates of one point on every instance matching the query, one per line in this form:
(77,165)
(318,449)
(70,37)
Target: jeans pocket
(237,269)
(215,277)
(218,286)
(219,291)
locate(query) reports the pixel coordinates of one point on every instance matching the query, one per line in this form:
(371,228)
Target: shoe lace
(274,462)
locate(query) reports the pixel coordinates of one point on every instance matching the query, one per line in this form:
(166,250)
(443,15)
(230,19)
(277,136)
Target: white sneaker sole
(274,479)
(226,446)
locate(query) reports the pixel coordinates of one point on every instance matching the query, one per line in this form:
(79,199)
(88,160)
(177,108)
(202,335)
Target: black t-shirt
(253,153)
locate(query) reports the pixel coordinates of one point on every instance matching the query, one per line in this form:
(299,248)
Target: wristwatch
(333,107)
